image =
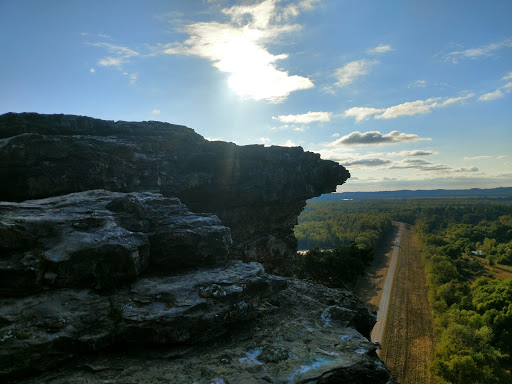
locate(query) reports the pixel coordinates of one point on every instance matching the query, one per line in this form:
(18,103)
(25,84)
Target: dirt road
(382,313)
(395,286)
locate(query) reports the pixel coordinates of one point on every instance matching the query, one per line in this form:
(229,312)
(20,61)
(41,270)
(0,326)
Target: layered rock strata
(108,277)
(103,286)
(256,191)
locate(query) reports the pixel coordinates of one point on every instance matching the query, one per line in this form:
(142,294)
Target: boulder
(101,239)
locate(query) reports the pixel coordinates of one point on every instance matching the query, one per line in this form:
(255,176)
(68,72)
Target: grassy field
(500,271)
(408,343)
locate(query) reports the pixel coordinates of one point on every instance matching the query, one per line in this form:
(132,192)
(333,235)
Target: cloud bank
(375,137)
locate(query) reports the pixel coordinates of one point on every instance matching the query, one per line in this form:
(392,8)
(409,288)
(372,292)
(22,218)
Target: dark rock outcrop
(110,278)
(134,288)
(256,191)
(101,239)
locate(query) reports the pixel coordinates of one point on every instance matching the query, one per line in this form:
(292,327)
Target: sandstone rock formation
(256,191)
(123,284)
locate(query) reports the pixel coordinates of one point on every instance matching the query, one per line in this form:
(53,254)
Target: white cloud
(367,162)
(484,157)
(92,70)
(412,153)
(118,54)
(239,48)
(264,140)
(351,71)
(454,100)
(116,50)
(474,53)
(421,165)
(375,137)
(467,170)
(305,118)
(418,83)
(132,77)
(508,76)
(409,108)
(155,111)
(362,113)
(110,62)
(497,94)
(383,48)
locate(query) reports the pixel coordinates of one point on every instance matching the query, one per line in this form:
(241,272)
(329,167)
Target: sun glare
(253,73)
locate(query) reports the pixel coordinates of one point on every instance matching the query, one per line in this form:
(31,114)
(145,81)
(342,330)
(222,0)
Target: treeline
(460,240)
(341,238)
(472,313)
(334,268)
(328,225)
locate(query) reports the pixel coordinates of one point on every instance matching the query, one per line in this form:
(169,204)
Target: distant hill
(405,193)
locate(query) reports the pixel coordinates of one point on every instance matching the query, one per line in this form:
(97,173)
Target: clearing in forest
(408,342)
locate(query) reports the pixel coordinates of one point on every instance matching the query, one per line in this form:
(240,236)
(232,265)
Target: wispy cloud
(475,53)
(132,77)
(484,157)
(500,92)
(419,164)
(412,153)
(305,118)
(370,162)
(497,94)
(118,54)
(238,47)
(418,84)
(375,137)
(155,111)
(409,108)
(466,170)
(351,71)
(383,48)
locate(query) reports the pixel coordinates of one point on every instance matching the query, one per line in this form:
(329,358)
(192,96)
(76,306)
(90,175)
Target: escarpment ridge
(256,191)
(117,243)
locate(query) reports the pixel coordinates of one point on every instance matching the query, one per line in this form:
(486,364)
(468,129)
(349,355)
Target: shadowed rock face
(102,286)
(256,191)
(108,277)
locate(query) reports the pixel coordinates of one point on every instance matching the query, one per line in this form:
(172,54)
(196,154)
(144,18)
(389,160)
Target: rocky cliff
(256,191)
(125,284)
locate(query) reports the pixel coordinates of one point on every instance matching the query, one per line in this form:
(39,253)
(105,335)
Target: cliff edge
(256,191)
(107,276)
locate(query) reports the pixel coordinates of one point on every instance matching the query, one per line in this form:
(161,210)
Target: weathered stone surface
(101,239)
(275,330)
(42,330)
(256,191)
(130,287)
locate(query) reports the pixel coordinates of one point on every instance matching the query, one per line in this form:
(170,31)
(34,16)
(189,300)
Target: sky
(405,94)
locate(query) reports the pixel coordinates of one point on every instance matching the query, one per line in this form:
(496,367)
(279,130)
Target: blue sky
(405,94)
